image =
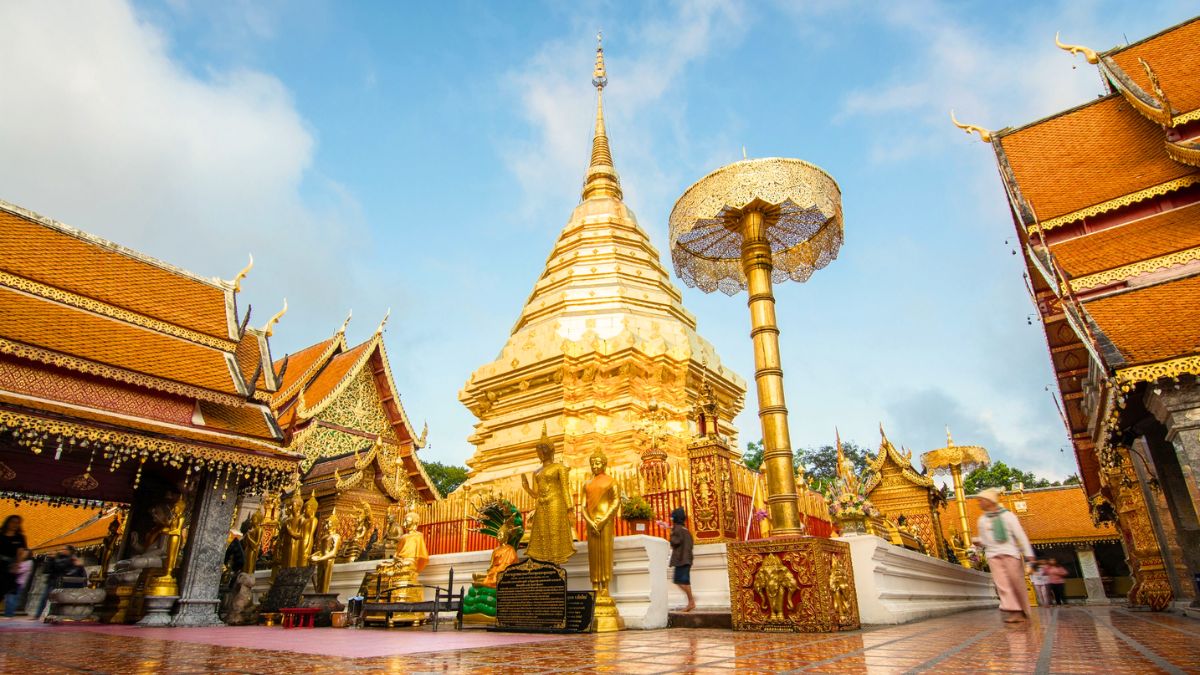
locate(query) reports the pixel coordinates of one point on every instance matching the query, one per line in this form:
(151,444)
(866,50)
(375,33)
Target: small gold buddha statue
(551,534)
(252,531)
(325,553)
(602,503)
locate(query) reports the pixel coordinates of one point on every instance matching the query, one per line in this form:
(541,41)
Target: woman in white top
(1007,548)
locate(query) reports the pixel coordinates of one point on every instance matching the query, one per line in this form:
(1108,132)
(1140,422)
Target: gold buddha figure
(550,538)
(172,538)
(308,531)
(325,553)
(252,540)
(602,503)
(287,549)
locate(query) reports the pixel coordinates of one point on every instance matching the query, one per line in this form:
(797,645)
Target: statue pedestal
(157,610)
(605,617)
(74,604)
(792,584)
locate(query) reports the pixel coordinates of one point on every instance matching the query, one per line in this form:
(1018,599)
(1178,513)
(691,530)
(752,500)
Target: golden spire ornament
(601,179)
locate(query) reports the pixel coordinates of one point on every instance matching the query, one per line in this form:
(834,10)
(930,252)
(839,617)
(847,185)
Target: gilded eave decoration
(1127,378)
(1114,204)
(902,462)
(391,475)
(1136,269)
(260,469)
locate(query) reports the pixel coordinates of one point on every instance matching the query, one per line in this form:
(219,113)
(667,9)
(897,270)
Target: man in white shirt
(1007,548)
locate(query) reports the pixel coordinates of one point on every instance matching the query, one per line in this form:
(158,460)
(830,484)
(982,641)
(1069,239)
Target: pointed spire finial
(601,179)
(379,330)
(949,440)
(346,322)
(237,281)
(269,329)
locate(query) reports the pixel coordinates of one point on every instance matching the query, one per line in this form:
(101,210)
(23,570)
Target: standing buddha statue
(252,540)
(172,537)
(292,533)
(308,531)
(550,537)
(324,554)
(602,503)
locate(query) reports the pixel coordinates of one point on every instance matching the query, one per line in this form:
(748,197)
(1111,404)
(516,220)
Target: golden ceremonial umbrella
(956,460)
(745,226)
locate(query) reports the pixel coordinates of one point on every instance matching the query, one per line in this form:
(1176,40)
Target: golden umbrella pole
(768,376)
(747,226)
(956,475)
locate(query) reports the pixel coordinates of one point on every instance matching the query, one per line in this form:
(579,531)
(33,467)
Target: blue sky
(424,156)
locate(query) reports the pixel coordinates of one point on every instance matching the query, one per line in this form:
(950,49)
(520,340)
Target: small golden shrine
(339,408)
(898,490)
(602,344)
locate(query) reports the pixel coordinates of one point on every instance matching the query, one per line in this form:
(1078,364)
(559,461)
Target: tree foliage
(446,477)
(820,463)
(1002,476)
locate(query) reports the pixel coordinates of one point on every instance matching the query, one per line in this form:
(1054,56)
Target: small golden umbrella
(956,460)
(745,226)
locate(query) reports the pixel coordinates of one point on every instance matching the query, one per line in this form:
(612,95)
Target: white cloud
(102,129)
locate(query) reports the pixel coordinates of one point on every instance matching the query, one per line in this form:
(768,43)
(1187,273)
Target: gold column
(956,474)
(768,376)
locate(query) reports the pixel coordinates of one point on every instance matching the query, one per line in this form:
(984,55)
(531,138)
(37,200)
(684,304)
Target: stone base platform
(700,619)
(895,585)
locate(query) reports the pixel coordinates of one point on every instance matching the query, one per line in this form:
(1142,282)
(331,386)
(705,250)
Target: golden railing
(447,523)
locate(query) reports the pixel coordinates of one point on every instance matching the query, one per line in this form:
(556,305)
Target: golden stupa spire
(601,179)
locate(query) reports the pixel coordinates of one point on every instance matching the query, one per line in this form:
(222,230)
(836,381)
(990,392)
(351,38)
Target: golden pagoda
(603,353)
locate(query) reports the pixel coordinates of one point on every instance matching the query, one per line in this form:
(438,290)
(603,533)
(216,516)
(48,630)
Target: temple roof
(323,384)
(98,335)
(1052,515)
(1152,323)
(1156,235)
(901,462)
(1173,55)
(42,522)
(91,532)
(1087,156)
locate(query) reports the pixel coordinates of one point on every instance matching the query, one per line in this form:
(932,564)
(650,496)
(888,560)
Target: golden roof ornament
(345,323)
(383,323)
(601,179)
(237,281)
(269,328)
(984,134)
(1091,56)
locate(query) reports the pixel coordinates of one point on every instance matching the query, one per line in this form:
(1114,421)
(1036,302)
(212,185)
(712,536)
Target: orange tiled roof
(1175,57)
(340,367)
(89,535)
(1152,323)
(1089,155)
(299,367)
(1058,514)
(245,419)
(57,258)
(1151,237)
(41,323)
(43,522)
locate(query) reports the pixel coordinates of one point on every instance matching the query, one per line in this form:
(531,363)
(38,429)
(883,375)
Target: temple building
(1060,525)
(339,409)
(903,494)
(1105,198)
(603,353)
(126,381)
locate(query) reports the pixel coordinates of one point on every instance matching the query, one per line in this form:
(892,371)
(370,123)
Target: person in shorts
(681,555)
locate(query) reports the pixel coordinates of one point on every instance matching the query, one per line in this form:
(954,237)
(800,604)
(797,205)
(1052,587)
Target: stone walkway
(1066,640)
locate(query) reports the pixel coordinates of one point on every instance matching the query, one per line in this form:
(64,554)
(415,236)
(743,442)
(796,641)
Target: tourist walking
(1006,548)
(681,555)
(12,540)
(1056,579)
(20,570)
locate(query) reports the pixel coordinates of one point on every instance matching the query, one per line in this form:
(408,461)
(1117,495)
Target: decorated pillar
(1151,585)
(213,508)
(710,464)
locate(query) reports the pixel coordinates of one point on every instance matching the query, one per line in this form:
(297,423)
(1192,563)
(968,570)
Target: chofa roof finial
(1089,54)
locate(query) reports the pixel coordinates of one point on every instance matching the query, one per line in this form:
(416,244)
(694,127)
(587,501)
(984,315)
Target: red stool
(299,617)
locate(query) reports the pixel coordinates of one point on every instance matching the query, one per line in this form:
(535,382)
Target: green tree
(1073,479)
(1002,476)
(446,477)
(820,464)
(753,456)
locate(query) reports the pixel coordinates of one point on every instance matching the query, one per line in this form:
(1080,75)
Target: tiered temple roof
(1106,199)
(336,401)
(99,343)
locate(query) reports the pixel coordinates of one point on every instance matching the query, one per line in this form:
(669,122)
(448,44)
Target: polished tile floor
(1067,640)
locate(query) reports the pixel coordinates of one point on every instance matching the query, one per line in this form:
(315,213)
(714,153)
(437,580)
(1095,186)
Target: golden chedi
(602,337)
(602,504)
(551,536)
